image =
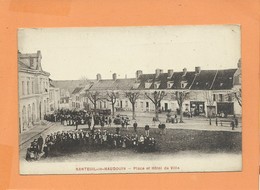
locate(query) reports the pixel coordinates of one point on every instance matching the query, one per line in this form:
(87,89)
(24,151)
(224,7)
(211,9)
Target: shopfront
(197,108)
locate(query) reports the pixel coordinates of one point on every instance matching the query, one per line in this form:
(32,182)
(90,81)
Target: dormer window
(147,84)
(136,85)
(156,85)
(183,84)
(169,84)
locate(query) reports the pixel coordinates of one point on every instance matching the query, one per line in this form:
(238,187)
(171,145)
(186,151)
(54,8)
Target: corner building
(33,90)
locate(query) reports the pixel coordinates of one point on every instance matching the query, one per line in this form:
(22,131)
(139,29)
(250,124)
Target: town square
(168,118)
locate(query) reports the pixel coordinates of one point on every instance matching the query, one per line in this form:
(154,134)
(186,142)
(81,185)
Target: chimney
(158,72)
(184,71)
(170,73)
(98,77)
(239,64)
(114,76)
(197,70)
(138,73)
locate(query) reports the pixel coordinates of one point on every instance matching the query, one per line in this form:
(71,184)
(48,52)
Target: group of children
(88,140)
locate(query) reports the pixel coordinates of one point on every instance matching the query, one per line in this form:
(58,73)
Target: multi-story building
(54,97)
(34,90)
(209,92)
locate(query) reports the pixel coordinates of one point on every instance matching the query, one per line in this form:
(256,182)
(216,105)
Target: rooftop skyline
(73,53)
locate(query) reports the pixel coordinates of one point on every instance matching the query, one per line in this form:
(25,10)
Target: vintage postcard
(151,99)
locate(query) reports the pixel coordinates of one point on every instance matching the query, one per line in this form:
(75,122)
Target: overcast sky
(72,53)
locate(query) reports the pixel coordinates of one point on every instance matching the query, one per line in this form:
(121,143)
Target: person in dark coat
(76,123)
(117,130)
(109,121)
(146,128)
(135,126)
(232,125)
(235,121)
(40,143)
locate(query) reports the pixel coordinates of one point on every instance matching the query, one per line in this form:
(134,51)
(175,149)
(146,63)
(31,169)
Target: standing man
(232,125)
(109,121)
(40,144)
(135,126)
(76,123)
(146,128)
(235,121)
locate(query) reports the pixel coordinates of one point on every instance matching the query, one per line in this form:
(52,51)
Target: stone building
(209,92)
(34,91)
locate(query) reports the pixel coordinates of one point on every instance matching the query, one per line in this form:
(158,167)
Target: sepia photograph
(147,99)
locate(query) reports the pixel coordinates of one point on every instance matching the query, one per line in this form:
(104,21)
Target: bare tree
(238,96)
(112,96)
(93,96)
(156,97)
(132,96)
(83,80)
(181,96)
(210,101)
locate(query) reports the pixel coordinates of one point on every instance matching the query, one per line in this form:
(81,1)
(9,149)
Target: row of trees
(156,97)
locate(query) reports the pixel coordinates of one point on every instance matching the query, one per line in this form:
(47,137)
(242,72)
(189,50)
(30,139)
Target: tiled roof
(21,65)
(224,79)
(70,84)
(203,80)
(77,90)
(163,78)
(109,84)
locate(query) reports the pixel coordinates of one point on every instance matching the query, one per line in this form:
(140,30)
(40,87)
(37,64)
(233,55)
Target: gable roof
(110,84)
(77,90)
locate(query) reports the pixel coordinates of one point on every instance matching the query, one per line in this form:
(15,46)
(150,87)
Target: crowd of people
(87,140)
(74,118)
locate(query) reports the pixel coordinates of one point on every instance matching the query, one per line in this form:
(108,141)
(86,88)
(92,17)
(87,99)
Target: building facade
(209,92)
(34,91)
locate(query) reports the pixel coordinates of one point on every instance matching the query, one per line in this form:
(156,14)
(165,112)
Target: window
(230,97)
(214,97)
(126,103)
(183,84)
(136,85)
(31,62)
(221,97)
(169,84)
(22,87)
(142,104)
(156,85)
(32,87)
(147,104)
(28,87)
(147,84)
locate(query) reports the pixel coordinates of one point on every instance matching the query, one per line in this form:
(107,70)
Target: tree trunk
(181,114)
(95,108)
(113,110)
(156,112)
(133,111)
